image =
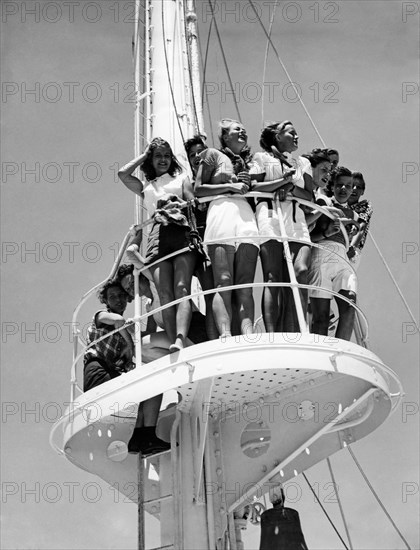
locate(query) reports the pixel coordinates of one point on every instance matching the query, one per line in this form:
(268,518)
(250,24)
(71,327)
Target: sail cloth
(281,530)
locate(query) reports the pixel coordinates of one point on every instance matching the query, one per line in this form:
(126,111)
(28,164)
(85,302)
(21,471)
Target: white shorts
(268,221)
(330,269)
(231,217)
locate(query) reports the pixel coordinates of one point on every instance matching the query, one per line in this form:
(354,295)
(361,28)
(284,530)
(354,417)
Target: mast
(194,56)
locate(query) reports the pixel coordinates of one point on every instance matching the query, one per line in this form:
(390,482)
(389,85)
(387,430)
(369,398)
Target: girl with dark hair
(329,267)
(112,357)
(334,157)
(282,173)
(194,148)
(364,210)
(231,229)
(165,185)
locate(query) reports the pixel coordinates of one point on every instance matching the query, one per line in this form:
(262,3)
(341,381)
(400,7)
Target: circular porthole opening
(117,451)
(255,439)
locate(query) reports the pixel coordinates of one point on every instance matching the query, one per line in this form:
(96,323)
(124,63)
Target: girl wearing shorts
(165,182)
(330,268)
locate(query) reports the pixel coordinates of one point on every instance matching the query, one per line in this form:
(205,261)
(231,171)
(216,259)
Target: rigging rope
(224,60)
(287,74)
(339,503)
(265,60)
(394,281)
(376,496)
(269,41)
(194,106)
(325,512)
(204,90)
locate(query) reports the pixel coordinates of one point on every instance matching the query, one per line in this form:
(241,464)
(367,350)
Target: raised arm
(117,321)
(126,174)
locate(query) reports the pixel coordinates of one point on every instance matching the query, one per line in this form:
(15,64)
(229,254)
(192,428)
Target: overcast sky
(67,123)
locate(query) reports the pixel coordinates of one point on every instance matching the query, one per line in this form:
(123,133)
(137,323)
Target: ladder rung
(158,499)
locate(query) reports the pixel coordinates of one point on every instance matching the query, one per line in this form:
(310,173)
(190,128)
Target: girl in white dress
(231,229)
(279,140)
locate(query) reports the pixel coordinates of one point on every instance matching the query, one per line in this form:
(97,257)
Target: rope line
(394,281)
(224,60)
(325,512)
(376,496)
(194,106)
(204,90)
(339,503)
(265,61)
(287,74)
(323,143)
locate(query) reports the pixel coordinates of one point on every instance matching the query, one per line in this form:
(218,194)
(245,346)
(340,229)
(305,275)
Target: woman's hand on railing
(349,221)
(332,228)
(240,187)
(128,352)
(288,174)
(134,256)
(337,212)
(244,177)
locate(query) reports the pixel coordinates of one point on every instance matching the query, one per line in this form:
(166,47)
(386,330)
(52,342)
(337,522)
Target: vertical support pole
(142,86)
(140,503)
(176,485)
(192,40)
(296,294)
(232,533)
(207,494)
(137,313)
(73,380)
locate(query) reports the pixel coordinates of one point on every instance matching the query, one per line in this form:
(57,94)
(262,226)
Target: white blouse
(161,186)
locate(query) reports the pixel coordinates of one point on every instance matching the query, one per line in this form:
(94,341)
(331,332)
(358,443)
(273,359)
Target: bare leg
(320,315)
(184,266)
(222,258)
(245,263)
(301,257)
(163,276)
(151,409)
(271,253)
(144,438)
(205,276)
(346,315)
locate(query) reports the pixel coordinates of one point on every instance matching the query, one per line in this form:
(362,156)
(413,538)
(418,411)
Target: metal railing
(361,325)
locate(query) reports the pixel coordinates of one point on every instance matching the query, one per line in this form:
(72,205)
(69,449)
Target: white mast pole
(192,37)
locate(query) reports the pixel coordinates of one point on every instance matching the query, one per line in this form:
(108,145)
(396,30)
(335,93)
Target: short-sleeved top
(364,210)
(347,211)
(216,167)
(107,351)
(268,163)
(160,187)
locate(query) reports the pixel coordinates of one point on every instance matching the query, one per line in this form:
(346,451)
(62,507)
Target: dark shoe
(145,441)
(154,446)
(140,438)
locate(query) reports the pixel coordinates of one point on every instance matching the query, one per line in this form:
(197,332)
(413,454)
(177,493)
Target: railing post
(137,314)
(296,294)
(73,376)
